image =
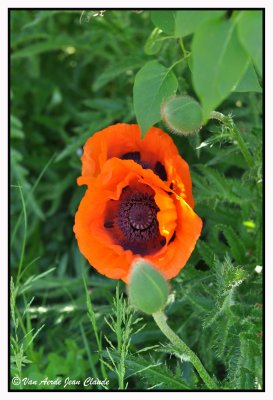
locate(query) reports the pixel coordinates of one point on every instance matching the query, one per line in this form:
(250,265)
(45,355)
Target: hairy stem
(183,349)
(235,134)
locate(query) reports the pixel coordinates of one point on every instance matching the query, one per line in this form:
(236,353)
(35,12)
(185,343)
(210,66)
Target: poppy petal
(161,146)
(107,143)
(187,232)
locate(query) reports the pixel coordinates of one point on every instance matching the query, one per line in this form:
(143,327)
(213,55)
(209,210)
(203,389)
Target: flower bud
(147,289)
(182,115)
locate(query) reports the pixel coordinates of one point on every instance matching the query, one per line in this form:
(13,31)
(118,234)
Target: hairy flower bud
(182,115)
(147,289)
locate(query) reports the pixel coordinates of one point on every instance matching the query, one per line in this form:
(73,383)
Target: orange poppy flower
(138,202)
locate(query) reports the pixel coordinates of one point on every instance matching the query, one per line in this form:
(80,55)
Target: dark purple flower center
(132,220)
(137,217)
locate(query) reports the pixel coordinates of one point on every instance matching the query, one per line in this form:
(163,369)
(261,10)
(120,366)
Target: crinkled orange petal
(188,230)
(163,149)
(93,241)
(167,215)
(107,143)
(119,139)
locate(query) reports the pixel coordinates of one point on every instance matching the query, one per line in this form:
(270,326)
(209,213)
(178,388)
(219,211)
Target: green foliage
(74,73)
(154,83)
(249,82)
(183,23)
(250,30)
(164,20)
(187,22)
(154,42)
(222,52)
(154,373)
(219,62)
(121,323)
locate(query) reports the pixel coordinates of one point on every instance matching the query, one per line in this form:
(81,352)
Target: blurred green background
(72,74)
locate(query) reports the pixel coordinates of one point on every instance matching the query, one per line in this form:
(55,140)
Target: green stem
(184,51)
(183,349)
(219,116)
(244,150)
(235,134)
(24,237)
(165,38)
(186,54)
(177,62)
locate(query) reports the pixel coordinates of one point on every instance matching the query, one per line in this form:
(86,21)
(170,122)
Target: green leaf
(154,83)
(152,46)
(43,47)
(213,185)
(105,104)
(206,253)
(16,131)
(182,23)
(219,62)
(249,82)
(41,16)
(251,353)
(154,372)
(236,245)
(15,122)
(250,32)
(109,74)
(164,20)
(186,22)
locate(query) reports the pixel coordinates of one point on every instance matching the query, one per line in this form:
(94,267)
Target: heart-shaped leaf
(219,62)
